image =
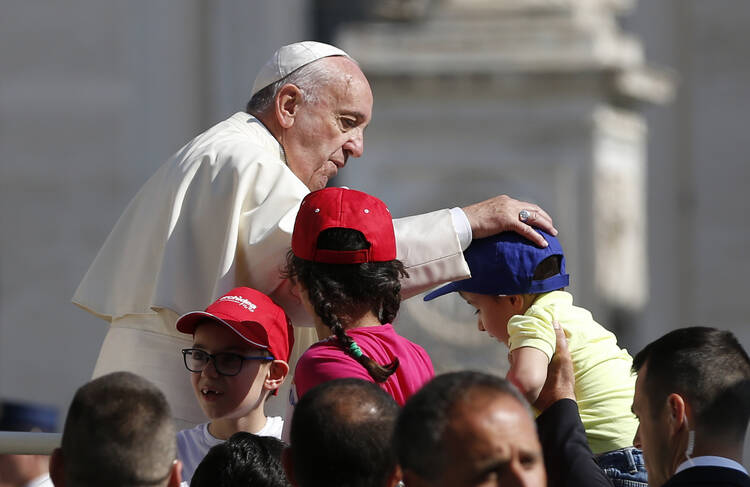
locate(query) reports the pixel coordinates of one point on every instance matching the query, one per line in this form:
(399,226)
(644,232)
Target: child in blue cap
(517,290)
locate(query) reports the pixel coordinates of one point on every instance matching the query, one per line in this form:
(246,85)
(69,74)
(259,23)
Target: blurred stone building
(624,120)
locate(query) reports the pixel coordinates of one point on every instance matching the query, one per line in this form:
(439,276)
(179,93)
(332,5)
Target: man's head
(468,429)
(240,352)
(341,435)
(118,432)
(317,105)
(691,382)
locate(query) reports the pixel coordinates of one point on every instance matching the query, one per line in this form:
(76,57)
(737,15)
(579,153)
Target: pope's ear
(286,104)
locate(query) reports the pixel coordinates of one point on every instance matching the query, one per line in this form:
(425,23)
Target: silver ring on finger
(524,215)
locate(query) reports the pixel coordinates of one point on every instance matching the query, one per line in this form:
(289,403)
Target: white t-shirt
(41,481)
(194,443)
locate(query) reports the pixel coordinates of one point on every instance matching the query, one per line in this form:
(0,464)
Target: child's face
(222,396)
(493,313)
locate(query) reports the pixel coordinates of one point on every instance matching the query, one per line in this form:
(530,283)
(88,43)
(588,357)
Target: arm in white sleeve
(431,249)
(462,227)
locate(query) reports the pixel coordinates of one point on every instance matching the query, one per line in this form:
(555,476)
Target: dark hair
(244,459)
(118,432)
(709,368)
(341,435)
(547,268)
(424,418)
(340,293)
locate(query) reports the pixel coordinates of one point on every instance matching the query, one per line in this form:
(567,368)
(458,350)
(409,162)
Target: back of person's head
(243,460)
(419,435)
(118,432)
(345,273)
(341,435)
(707,367)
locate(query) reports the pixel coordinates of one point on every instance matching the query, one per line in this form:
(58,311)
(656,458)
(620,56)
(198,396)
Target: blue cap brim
(448,288)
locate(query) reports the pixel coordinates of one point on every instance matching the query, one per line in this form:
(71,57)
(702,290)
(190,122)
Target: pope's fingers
(543,213)
(537,217)
(527,231)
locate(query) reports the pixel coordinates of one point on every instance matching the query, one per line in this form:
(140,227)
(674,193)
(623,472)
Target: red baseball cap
(343,208)
(250,314)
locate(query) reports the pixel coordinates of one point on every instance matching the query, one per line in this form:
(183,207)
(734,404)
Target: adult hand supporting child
(567,456)
(560,383)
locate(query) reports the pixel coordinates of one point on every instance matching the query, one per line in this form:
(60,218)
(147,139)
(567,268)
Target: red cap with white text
(252,315)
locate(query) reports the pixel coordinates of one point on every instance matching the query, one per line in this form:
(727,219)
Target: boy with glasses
(240,354)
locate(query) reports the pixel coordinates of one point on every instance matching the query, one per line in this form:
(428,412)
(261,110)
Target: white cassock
(217,215)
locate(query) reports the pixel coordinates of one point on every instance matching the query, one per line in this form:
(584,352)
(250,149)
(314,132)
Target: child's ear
(516,302)
(276,374)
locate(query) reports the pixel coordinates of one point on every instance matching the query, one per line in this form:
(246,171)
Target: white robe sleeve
(429,248)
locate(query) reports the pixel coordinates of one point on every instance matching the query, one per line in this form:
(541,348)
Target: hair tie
(356,351)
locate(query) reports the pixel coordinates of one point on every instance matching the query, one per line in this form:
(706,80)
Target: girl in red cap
(343,260)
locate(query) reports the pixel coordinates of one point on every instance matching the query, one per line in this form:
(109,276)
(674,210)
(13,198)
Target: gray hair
(118,432)
(309,78)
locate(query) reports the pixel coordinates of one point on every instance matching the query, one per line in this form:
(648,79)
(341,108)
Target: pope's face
(329,129)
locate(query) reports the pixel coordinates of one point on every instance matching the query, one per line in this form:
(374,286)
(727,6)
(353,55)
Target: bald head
(341,435)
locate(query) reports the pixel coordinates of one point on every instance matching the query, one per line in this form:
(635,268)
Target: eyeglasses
(225,363)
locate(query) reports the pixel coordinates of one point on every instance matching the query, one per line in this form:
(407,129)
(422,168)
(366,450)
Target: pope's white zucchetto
(290,58)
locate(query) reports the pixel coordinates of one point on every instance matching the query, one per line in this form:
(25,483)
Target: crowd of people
(280,296)
(460,429)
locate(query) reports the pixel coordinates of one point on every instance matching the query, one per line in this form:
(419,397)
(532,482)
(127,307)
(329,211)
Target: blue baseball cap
(504,264)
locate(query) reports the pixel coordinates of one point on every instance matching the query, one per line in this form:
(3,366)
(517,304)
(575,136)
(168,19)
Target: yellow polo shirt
(604,382)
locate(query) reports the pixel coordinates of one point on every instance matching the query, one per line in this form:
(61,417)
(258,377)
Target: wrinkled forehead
(346,79)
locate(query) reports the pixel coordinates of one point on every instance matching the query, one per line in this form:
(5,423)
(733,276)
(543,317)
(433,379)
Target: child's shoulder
(547,306)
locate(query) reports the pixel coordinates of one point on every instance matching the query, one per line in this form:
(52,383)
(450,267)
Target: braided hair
(341,293)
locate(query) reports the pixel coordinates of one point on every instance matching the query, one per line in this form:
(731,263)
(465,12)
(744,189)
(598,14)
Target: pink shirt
(326,360)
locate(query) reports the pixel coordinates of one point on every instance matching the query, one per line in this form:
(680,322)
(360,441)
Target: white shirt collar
(41,481)
(711,461)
